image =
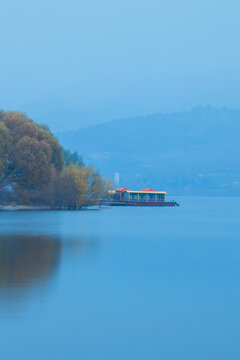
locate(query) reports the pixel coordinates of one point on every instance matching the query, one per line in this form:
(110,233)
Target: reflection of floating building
(145,197)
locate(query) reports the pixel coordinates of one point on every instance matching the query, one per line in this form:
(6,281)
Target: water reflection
(29,261)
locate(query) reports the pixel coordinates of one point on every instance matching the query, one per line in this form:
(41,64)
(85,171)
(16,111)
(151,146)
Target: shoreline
(10,207)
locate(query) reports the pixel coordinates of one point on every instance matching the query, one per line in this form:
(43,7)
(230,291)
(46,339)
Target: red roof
(122,189)
(148,189)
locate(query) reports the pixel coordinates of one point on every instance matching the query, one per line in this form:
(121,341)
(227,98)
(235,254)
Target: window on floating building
(151,197)
(134,196)
(160,197)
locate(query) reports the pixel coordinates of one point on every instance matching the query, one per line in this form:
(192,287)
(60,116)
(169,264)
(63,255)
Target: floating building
(145,197)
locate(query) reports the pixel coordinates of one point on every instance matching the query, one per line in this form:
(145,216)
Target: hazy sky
(143,56)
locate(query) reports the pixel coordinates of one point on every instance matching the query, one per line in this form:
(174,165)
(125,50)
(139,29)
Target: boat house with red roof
(145,195)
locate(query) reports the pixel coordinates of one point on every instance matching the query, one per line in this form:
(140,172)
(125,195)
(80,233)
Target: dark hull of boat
(138,203)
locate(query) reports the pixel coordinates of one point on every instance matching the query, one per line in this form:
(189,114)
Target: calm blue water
(122,283)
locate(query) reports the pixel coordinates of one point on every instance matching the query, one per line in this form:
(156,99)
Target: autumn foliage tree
(30,153)
(35,168)
(71,187)
(4,147)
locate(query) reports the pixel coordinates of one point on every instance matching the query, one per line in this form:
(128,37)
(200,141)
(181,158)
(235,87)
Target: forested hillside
(35,169)
(191,152)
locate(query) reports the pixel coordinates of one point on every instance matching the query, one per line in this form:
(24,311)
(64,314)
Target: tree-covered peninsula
(36,170)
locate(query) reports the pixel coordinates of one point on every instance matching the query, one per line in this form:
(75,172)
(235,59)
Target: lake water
(122,283)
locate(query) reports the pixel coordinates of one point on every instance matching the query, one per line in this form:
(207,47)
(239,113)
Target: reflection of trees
(25,260)
(29,260)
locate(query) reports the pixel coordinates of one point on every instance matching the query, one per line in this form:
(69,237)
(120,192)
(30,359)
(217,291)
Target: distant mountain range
(79,105)
(195,152)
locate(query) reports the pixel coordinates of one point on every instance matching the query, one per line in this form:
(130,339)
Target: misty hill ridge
(195,149)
